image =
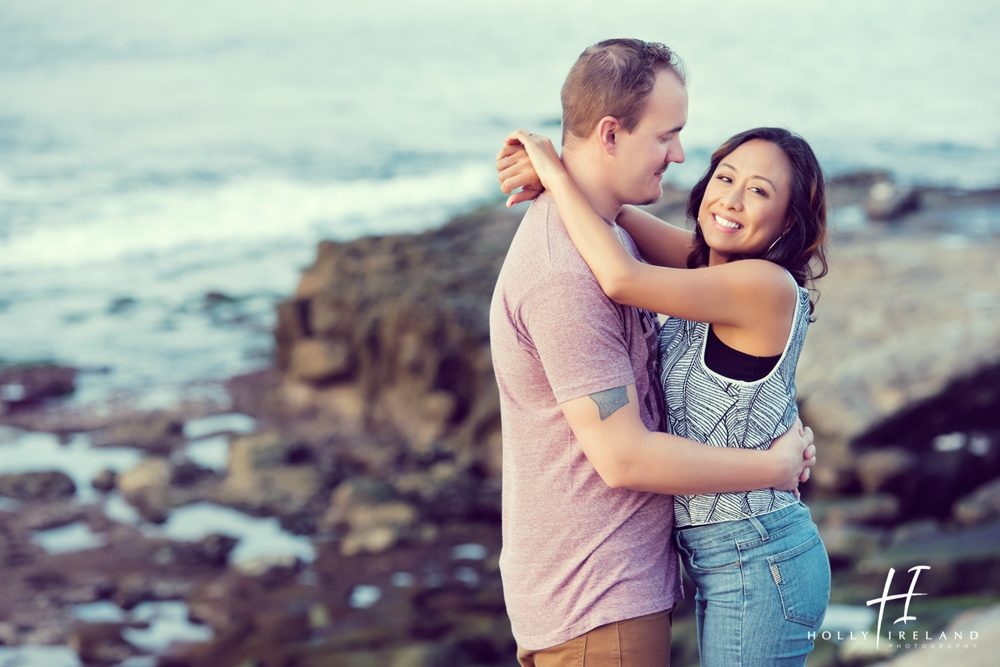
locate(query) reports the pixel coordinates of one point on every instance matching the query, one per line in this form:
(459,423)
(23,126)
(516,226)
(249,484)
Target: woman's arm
(746,294)
(659,242)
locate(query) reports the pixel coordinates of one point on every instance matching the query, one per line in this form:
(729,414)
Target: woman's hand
(516,175)
(796,455)
(539,171)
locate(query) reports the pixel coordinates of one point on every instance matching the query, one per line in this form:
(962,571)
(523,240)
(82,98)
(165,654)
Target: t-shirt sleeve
(578,335)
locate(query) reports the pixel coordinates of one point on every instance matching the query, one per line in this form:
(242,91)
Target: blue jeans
(763,587)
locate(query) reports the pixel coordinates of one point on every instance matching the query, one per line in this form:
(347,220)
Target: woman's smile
(725,224)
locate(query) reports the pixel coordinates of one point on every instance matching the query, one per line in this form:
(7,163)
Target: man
(588,563)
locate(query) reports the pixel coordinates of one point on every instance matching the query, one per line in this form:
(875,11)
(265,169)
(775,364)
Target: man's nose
(677,152)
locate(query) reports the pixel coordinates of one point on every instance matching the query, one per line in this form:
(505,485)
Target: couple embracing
(627,443)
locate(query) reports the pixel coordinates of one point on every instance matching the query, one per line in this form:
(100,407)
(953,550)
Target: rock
(156,484)
(913,531)
(47,515)
(848,543)
(878,509)
(398,348)
(424,655)
(147,487)
(212,299)
(105,481)
(323,273)
(319,617)
(122,304)
(214,549)
(930,483)
(883,470)
(446,491)
(863,179)
(901,351)
(26,386)
(9,634)
(355,493)
(261,451)
(329,313)
(864,651)
(149,474)
(185,473)
(952,554)
(980,652)
(321,361)
(429,484)
(888,201)
(145,586)
(271,569)
(374,517)
(836,471)
(36,486)
(101,643)
(155,432)
(268,471)
(379,529)
(981,505)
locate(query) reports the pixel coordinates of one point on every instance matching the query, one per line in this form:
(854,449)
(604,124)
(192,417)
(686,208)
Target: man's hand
(796,455)
(516,174)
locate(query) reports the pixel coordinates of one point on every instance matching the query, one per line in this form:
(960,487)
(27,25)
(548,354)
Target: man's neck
(586,172)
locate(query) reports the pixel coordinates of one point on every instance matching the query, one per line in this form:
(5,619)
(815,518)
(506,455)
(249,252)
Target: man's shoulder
(543,238)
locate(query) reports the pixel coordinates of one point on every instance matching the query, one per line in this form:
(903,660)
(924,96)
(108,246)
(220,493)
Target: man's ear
(608,129)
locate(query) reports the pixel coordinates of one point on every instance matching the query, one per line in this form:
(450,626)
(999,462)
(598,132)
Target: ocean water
(153,153)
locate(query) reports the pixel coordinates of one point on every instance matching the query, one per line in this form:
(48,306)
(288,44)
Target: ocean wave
(241,214)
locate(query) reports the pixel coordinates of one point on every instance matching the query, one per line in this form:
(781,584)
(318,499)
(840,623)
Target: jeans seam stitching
(743,612)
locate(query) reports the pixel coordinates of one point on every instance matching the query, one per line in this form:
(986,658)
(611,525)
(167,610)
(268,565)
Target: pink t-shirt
(576,553)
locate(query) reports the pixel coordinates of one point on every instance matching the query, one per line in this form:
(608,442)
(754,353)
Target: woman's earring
(771,247)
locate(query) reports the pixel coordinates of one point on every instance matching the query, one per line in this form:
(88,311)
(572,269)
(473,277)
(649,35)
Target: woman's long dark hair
(801,249)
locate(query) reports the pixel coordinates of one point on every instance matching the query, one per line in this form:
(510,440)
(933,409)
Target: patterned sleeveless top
(707,407)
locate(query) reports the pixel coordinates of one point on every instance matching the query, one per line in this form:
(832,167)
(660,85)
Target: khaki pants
(636,642)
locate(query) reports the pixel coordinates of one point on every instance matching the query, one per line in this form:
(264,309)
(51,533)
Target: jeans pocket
(802,576)
(718,557)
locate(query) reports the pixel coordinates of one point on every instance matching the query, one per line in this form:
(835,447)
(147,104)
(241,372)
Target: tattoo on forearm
(610,400)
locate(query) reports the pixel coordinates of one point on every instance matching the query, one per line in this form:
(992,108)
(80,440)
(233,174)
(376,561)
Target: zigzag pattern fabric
(707,407)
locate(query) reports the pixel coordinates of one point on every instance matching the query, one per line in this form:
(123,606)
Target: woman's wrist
(558,180)
(782,467)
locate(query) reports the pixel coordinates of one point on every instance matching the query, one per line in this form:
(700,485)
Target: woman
(738,319)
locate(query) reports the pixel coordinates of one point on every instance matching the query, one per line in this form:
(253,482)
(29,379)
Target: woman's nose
(733,199)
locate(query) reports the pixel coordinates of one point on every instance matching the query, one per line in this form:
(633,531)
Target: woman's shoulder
(771,285)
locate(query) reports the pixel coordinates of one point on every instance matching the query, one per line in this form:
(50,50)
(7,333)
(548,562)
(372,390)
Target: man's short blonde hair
(613,78)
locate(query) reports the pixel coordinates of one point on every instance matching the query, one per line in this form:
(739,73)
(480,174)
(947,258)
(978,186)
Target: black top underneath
(734,364)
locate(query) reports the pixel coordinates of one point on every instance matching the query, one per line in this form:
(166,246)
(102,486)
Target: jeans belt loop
(755,522)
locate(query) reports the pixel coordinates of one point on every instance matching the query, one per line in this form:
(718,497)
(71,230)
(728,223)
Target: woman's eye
(724,179)
(759,191)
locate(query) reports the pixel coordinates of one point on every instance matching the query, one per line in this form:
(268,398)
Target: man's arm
(578,337)
(627,455)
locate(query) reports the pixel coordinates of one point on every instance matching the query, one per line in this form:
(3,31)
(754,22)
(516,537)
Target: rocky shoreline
(375,440)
